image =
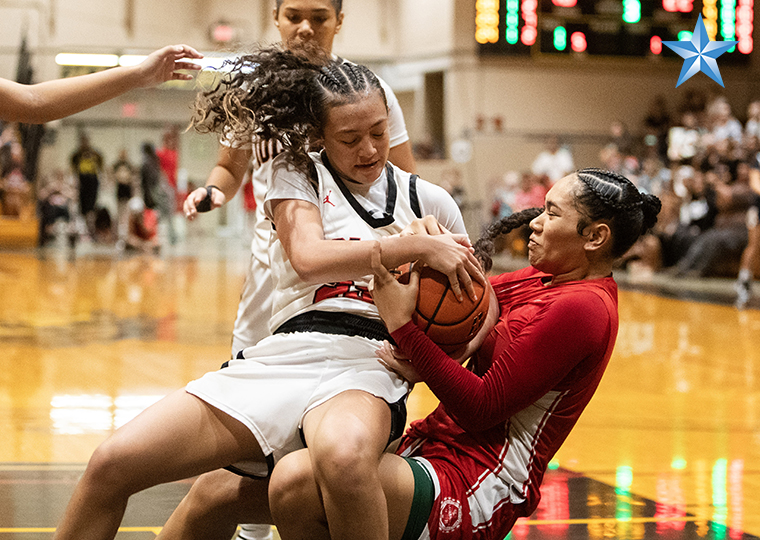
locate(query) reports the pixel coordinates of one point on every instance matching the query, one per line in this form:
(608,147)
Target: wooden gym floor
(668,448)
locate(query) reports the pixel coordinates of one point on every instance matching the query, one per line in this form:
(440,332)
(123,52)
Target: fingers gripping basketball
(449,323)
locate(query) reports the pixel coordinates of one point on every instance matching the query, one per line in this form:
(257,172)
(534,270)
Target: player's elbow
(26,106)
(307,269)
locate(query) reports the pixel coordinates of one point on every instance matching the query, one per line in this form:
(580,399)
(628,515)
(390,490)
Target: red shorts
(450,517)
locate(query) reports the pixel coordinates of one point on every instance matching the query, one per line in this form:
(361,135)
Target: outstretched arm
(51,100)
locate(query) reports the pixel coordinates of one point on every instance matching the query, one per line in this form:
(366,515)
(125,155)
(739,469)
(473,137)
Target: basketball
(449,323)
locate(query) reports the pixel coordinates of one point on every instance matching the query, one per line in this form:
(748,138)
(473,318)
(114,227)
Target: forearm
(568,335)
(224,180)
(461,391)
(43,102)
(50,100)
(328,261)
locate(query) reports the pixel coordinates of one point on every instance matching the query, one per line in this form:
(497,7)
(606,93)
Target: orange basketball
(449,323)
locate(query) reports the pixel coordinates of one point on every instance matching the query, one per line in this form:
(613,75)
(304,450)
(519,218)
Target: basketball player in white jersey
(316,380)
(316,21)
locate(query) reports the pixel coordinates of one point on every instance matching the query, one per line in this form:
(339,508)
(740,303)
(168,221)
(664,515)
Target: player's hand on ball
(198,197)
(452,255)
(394,361)
(394,301)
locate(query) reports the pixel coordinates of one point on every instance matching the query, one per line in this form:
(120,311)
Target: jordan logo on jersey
(327,199)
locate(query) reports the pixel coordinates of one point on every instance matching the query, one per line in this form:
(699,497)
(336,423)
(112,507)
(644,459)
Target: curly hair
(599,195)
(281,94)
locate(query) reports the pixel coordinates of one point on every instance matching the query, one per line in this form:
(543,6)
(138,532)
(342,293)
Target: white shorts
(286,375)
(255,308)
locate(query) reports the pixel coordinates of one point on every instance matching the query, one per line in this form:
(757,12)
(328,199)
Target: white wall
(426,28)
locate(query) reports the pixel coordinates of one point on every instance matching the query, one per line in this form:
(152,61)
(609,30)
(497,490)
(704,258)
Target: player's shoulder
(283,168)
(426,191)
(586,296)
(432,190)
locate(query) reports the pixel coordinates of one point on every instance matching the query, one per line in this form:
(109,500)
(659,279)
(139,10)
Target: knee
(108,470)
(292,483)
(214,490)
(348,460)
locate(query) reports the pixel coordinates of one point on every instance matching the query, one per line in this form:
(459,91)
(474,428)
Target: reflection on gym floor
(668,447)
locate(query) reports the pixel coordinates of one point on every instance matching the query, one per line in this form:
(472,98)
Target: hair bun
(650,207)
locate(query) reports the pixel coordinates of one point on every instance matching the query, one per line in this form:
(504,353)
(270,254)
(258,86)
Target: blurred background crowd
(701,158)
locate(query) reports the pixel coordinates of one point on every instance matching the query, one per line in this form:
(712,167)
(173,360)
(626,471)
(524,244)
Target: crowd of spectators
(15,189)
(122,204)
(699,158)
(703,163)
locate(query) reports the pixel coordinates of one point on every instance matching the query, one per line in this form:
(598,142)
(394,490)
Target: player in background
(51,100)
(750,260)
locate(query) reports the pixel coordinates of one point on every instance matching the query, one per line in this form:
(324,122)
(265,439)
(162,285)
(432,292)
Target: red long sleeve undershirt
(527,362)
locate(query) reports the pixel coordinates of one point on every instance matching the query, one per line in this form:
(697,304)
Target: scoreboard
(612,28)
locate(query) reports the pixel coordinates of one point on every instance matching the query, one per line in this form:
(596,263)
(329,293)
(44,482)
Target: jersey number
(344,289)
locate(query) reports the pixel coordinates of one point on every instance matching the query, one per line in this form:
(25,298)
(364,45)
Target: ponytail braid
(484,247)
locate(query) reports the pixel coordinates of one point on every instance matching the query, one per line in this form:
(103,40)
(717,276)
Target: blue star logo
(699,54)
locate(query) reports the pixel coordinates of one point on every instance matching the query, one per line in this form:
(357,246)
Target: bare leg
(296,500)
(346,437)
(216,503)
(178,437)
(748,268)
(751,255)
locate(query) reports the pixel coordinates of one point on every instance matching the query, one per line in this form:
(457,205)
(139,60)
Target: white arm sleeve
(436,201)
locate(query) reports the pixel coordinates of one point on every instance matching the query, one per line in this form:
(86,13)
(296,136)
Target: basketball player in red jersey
(471,468)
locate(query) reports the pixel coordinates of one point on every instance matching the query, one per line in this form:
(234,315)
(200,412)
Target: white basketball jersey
(343,218)
(264,151)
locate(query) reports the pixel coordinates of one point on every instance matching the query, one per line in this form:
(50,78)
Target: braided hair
(284,95)
(603,195)
(599,196)
(484,247)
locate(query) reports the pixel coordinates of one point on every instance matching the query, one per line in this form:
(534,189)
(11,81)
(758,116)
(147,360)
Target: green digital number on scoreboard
(614,28)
